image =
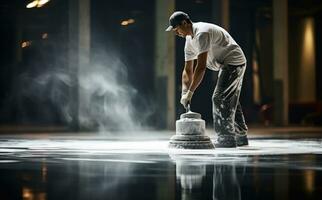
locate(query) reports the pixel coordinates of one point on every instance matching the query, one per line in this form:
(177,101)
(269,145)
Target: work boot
(241,140)
(226,142)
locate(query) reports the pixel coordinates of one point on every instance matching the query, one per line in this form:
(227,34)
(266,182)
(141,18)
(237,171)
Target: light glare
(25,44)
(37,3)
(32,4)
(127,22)
(131,21)
(44,36)
(42,2)
(124,23)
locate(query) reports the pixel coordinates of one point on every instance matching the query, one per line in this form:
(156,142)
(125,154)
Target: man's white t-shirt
(221,47)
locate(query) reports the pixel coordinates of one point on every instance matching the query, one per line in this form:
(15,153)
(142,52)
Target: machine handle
(188,107)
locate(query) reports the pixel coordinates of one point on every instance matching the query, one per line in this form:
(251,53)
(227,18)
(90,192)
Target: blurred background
(77,65)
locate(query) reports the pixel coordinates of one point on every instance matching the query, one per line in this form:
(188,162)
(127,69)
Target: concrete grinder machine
(190,132)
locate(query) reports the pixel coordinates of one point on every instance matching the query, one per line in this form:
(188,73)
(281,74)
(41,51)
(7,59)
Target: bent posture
(210,46)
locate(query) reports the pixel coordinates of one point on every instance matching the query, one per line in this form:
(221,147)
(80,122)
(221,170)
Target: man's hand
(186,98)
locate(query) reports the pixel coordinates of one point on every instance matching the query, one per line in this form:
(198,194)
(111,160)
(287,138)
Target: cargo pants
(229,122)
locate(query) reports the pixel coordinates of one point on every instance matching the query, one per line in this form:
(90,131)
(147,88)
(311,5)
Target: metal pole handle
(188,107)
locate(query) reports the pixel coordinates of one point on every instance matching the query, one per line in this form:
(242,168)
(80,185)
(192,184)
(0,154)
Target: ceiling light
(127,22)
(44,36)
(131,21)
(124,23)
(37,3)
(32,4)
(25,44)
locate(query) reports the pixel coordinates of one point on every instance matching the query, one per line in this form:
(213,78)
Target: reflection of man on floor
(209,45)
(225,183)
(191,175)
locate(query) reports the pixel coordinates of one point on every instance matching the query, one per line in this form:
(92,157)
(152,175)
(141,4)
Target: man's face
(181,30)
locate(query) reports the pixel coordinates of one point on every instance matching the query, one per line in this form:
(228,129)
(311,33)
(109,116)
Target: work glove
(186,98)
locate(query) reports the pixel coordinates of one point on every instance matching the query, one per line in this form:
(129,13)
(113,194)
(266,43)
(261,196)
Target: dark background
(22,104)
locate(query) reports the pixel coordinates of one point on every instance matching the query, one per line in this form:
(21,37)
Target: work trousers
(228,117)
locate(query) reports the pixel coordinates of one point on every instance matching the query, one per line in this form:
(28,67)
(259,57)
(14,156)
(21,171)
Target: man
(210,46)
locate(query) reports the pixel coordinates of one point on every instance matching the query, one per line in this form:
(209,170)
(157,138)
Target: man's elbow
(202,61)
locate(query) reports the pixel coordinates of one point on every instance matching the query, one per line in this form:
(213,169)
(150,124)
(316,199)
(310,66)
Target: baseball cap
(176,18)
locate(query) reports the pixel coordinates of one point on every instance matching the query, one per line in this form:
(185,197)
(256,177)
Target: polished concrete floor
(138,165)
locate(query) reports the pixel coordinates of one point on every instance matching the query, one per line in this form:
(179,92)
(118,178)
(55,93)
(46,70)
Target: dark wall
(242,28)
(29,87)
(264,27)
(318,67)
(132,44)
(21,102)
(7,21)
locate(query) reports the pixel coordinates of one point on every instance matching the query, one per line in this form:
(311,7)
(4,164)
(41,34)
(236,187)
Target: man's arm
(187,75)
(199,71)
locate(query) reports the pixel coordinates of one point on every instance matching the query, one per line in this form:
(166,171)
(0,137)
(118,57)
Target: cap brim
(169,28)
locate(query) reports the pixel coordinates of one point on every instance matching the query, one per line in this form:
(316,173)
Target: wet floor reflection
(174,180)
(55,170)
(190,177)
(226,180)
(198,180)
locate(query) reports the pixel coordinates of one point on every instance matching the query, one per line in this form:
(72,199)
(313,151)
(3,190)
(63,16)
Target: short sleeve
(189,54)
(202,42)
